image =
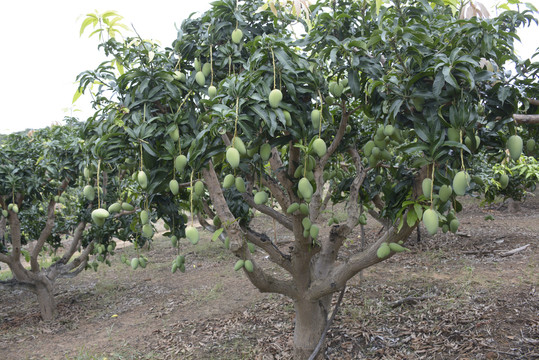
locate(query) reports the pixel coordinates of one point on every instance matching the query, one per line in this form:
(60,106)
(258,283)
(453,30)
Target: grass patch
(6,275)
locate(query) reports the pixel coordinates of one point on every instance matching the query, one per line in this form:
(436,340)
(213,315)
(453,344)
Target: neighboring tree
(393,110)
(56,186)
(36,168)
(45,221)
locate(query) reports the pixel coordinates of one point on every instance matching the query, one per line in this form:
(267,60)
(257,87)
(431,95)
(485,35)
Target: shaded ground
(451,297)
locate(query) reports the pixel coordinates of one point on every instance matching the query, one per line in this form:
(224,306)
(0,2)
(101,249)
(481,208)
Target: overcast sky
(42,52)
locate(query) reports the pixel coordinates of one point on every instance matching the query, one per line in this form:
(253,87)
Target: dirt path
(452,296)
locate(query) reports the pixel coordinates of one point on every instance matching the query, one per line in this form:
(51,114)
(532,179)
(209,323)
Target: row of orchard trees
(395,111)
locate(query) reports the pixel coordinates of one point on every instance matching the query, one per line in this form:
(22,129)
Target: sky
(43,53)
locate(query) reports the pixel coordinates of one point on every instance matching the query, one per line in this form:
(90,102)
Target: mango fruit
(292,208)
(504,180)
(199,188)
(142,179)
(261,197)
(228,181)
(99,216)
(233,157)
(147,231)
(236,36)
(239,264)
(426,186)
(514,145)
(305,188)
(174,186)
(200,78)
(240,184)
(275,98)
(319,147)
(248,265)
(460,183)
(265,151)
(383,251)
(430,220)
(212,92)
(180,162)
(192,234)
(445,193)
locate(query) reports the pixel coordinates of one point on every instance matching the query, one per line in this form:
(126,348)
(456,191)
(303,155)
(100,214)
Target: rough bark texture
(45,297)
(311,319)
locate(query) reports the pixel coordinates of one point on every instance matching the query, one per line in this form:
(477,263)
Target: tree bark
(45,297)
(311,319)
(526,119)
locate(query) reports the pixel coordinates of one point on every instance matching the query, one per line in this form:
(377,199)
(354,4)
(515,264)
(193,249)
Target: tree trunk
(311,319)
(45,298)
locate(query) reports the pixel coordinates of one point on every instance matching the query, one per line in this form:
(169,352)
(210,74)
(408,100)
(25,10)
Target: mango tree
(48,190)
(385,110)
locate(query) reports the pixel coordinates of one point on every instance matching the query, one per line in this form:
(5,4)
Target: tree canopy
(393,110)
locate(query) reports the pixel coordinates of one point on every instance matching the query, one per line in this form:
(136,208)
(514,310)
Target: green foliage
(103,23)
(403,83)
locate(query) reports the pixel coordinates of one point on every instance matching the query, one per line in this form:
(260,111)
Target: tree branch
(15,227)
(352,203)
(340,274)
(207,209)
(265,243)
(230,224)
(74,273)
(378,202)
(14,283)
(293,163)
(5,259)
(280,172)
(77,235)
(376,216)
(280,217)
(205,225)
(526,119)
(337,139)
(276,191)
(264,282)
(338,233)
(45,233)
(319,169)
(82,258)
(279,195)
(328,324)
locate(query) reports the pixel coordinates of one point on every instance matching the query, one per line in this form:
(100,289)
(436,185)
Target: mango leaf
(503,93)
(418,210)
(438,84)
(77,95)
(411,218)
(26,255)
(449,78)
(353,82)
(216,234)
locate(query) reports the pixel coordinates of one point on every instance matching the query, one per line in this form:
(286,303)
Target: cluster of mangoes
(376,149)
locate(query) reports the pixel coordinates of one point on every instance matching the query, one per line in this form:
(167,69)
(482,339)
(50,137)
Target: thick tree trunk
(311,319)
(45,298)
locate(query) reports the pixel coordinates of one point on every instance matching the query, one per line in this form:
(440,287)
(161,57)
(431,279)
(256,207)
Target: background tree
(387,109)
(48,188)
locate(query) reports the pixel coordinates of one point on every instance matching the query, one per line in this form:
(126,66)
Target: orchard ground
(455,297)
